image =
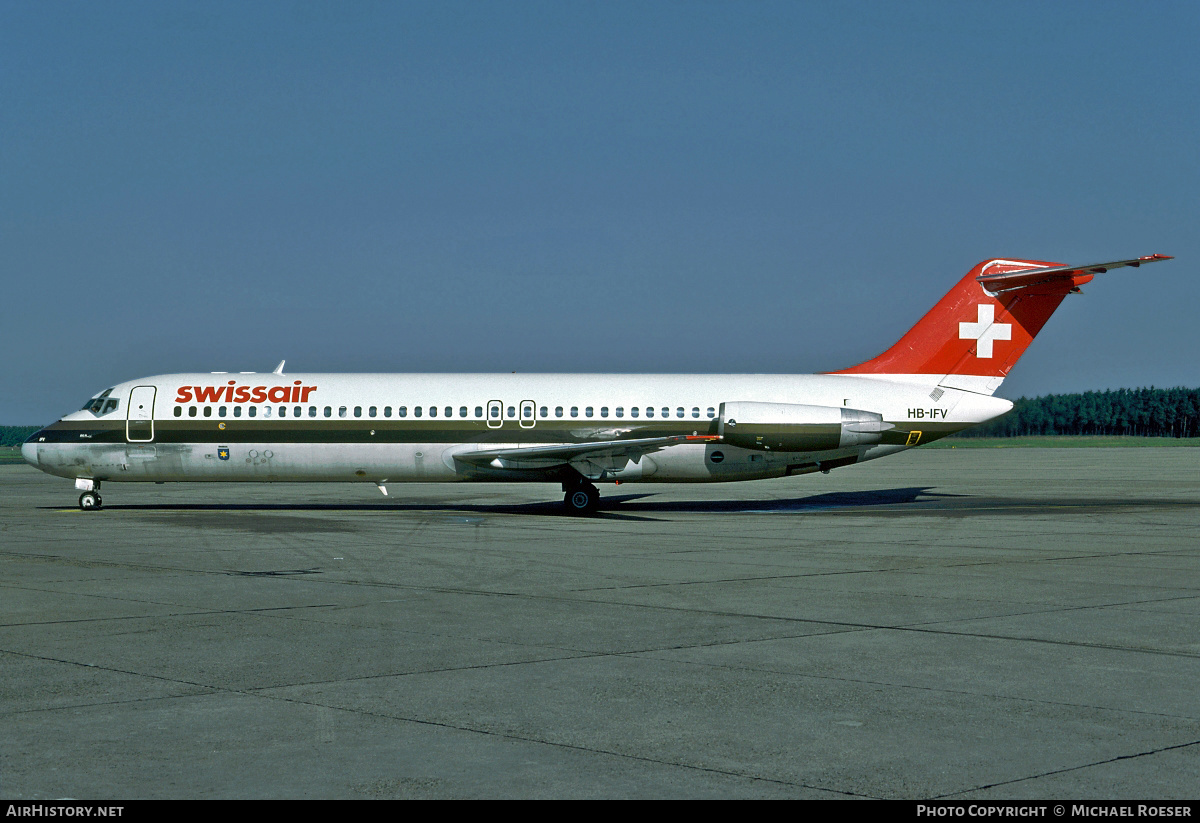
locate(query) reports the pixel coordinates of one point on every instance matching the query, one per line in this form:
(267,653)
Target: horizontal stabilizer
(1001,281)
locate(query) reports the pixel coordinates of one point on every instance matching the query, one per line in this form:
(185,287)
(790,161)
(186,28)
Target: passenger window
(632,412)
(433,411)
(341,411)
(712,412)
(221,411)
(312,411)
(666,411)
(329,411)
(588,411)
(545,412)
(371,411)
(574,411)
(512,411)
(179,411)
(449,411)
(402,411)
(416,411)
(695,411)
(191,411)
(462,411)
(237,411)
(604,411)
(620,411)
(266,411)
(479,411)
(649,411)
(558,411)
(358,411)
(283,411)
(679,412)
(387,411)
(298,411)
(208,411)
(253,411)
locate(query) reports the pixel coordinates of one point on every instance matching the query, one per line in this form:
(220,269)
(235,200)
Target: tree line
(15,435)
(1147,412)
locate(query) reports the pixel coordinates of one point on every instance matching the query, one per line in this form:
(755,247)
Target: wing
(590,459)
(1006,281)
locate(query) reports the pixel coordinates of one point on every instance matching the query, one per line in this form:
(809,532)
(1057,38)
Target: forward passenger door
(139,422)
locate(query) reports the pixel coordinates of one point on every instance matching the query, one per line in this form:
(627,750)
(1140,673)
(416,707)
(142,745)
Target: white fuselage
(409,427)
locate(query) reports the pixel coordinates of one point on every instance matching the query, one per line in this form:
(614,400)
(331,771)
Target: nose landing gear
(90,499)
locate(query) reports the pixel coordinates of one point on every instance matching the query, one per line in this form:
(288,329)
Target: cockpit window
(101,403)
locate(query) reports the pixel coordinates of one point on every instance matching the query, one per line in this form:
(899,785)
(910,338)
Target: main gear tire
(583,499)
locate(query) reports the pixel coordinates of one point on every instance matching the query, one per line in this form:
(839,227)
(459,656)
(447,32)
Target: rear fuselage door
(528,418)
(139,425)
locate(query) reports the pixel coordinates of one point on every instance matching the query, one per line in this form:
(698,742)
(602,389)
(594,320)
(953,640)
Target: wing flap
(545,456)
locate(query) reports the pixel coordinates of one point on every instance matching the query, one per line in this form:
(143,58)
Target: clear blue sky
(578,186)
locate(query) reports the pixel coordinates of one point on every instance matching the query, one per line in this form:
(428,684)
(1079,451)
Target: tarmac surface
(958,624)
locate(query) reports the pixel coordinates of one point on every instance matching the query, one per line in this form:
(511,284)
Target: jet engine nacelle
(794,427)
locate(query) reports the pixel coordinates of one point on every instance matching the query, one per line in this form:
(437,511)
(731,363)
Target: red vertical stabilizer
(985,323)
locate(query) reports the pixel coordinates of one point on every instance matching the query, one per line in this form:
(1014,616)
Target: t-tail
(975,334)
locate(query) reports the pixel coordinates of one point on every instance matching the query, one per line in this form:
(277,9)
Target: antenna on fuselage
(279,368)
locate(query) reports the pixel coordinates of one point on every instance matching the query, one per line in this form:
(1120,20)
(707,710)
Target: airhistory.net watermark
(53,810)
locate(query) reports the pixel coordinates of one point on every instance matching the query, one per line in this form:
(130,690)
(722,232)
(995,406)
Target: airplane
(573,429)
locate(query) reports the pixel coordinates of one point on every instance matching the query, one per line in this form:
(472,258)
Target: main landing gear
(581,497)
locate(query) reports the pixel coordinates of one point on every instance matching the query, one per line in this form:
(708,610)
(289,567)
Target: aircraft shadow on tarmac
(644,505)
(906,501)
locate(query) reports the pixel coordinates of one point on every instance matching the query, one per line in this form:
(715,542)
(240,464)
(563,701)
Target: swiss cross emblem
(984,330)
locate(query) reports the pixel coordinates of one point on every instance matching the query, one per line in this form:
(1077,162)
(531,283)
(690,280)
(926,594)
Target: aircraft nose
(30,452)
